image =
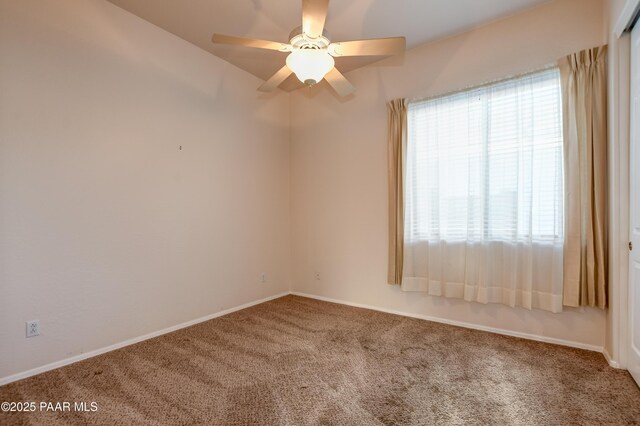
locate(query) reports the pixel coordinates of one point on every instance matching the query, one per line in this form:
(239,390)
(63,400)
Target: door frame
(627,15)
(617,344)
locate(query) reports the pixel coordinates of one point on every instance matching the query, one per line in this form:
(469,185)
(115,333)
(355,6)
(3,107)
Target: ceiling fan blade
(275,80)
(339,83)
(314,13)
(374,47)
(251,42)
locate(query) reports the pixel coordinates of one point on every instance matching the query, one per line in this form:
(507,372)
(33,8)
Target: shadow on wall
(214,92)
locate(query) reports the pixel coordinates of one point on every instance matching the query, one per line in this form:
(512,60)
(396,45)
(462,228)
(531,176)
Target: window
(486,164)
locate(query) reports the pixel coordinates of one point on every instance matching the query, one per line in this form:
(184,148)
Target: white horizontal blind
(486,164)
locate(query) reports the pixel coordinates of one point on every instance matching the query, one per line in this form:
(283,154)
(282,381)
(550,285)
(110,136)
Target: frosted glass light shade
(310,65)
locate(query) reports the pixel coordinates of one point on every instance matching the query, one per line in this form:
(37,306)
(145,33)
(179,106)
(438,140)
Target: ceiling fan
(310,52)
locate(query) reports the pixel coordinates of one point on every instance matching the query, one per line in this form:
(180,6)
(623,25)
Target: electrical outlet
(263,277)
(317,276)
(33,328)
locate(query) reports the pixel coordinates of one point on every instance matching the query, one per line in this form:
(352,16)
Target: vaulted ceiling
(420,21)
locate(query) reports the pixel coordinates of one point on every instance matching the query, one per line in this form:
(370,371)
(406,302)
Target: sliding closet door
(634,200)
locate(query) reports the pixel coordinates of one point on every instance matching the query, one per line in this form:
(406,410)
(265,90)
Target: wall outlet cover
(33,328)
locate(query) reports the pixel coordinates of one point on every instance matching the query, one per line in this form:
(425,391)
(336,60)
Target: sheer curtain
(484,194)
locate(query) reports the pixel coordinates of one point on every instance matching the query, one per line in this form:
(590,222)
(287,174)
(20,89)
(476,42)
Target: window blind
(486,164)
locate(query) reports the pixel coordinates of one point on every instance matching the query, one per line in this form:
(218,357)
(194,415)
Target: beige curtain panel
(584,80)
(397,118)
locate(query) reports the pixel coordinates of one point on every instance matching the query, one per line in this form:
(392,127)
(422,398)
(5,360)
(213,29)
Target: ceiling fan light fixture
(310,65)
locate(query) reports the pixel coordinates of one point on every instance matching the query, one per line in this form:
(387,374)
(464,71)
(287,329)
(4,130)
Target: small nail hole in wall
(180,147)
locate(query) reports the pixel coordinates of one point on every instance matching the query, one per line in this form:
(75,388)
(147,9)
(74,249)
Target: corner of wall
(290,142)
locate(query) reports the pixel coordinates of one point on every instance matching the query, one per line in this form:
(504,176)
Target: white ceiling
(420,21)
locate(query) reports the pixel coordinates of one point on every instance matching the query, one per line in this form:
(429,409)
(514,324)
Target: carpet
(298,361)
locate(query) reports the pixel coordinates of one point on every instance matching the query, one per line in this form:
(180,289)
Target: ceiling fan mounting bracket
(298,39)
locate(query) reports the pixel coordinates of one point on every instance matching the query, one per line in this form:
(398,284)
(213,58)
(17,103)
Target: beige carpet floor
(297,361)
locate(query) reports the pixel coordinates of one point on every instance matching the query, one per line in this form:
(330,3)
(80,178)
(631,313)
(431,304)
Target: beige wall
(339,182)
(107,230)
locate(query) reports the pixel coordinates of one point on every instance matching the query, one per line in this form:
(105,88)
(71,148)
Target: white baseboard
(90,354)
(612,363)
(528,336)
(83,356)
